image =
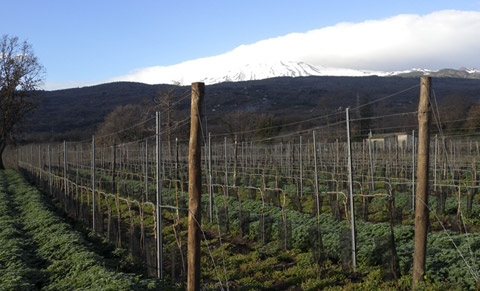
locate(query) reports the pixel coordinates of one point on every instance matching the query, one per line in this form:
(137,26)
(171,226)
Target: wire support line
(384,116)
(117,132)
(317,117)
(386,97)
(470,269)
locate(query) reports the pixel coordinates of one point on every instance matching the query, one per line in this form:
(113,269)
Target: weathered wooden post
(194,188)
(421,209)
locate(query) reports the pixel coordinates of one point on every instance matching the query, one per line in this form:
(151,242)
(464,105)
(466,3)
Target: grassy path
(39,250)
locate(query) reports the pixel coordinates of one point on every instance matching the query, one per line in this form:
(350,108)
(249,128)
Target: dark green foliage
(62,256)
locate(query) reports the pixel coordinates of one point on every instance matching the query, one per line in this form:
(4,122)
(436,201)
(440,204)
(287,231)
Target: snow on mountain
(265,70)
(217,70)
(344,49)
(471,70)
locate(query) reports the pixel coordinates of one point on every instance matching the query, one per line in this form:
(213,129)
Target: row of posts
(194,186)
(158,205)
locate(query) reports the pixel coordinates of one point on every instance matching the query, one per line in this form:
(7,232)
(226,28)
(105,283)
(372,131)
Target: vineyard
(40,250)
(276,212)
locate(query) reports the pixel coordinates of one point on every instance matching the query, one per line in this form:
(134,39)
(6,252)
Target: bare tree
(165,102)
(247,125)
(473,118)
(125,123)
(20,76)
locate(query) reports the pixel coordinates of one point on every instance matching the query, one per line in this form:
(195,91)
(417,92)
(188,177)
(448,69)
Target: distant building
(389,139)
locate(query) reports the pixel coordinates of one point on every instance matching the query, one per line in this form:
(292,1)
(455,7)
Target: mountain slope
(79,111)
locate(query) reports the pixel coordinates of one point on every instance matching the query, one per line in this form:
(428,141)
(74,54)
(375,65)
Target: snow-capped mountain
(217,70)
(264,70)
(259,71)
(345,49)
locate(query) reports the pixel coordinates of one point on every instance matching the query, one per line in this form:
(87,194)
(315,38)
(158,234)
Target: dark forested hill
(77,112)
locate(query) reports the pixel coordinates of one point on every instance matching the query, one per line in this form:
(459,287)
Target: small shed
(389,139)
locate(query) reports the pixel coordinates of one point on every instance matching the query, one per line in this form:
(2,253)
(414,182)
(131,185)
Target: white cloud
(438,40)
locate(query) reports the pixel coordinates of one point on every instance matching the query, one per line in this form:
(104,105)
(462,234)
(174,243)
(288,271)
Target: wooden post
(421,210)
(194,188)
(350,185)
(159,200)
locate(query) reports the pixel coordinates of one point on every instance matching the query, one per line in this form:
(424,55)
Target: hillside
(77,112)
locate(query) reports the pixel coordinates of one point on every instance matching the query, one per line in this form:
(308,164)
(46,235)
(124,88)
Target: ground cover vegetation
(266,224)
(41,251)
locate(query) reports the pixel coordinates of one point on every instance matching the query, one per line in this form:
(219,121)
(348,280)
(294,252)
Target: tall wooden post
(194,188)
(421,210)
(159,199)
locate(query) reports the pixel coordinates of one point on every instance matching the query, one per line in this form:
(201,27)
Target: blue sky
(81,42)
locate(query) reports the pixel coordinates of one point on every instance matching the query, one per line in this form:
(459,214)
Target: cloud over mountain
(438,40)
